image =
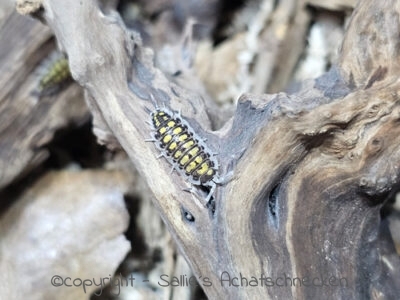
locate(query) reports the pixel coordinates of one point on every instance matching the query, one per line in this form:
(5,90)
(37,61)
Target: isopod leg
(212,190)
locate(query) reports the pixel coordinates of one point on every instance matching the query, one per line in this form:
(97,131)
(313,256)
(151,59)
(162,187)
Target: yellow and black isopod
(53,74)
(184,150)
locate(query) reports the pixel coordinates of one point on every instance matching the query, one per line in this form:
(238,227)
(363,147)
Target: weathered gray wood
(58,219)
(266,40)
(333,4)
(311,170)
(28,122)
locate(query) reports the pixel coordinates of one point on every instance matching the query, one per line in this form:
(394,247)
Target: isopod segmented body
(184,150)
(53,74)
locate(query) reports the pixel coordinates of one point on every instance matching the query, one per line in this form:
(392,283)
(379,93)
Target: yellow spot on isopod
(177,130)
(162,130)
(203,169)
(177,154)
(172,146)
(167,138)
(188,144)
(171,124)
(194,151)
(183,137)
(184,160)
(191,167)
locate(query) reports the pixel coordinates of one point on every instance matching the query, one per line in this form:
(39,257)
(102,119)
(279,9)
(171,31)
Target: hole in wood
(187,215)
(272,203)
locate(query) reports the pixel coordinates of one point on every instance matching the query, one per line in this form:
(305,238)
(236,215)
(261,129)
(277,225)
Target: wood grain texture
(28,122)
(311,169)
(67,224)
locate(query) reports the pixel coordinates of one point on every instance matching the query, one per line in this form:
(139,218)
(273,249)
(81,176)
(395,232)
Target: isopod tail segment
(212,186)
(218,181)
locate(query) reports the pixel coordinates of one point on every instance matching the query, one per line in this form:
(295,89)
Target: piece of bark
(154,259)
(260,55)
(28,121)
(172,15)
(311,169)
(373,64)
(68,224)
(282,44)
(324,40)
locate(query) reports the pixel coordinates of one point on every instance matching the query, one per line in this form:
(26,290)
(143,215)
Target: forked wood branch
(311,169)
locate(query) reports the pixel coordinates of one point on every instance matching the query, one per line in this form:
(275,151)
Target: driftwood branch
(311,169)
